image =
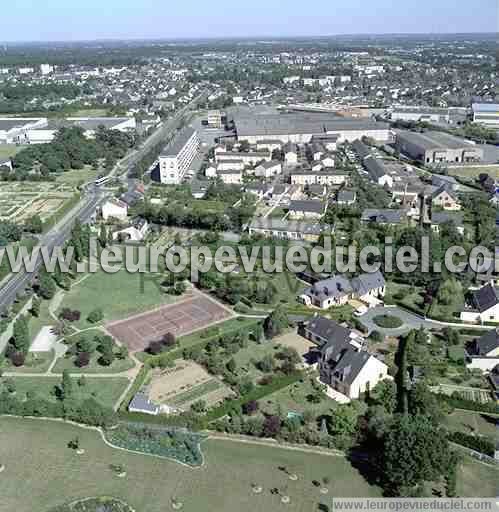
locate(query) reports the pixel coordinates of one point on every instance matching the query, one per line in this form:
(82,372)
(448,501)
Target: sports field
(187,315)
(42,472)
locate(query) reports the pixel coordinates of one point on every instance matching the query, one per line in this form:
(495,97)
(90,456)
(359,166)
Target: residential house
(289,229)
(268,169)
(234,164)
(211,171)
(115,209)
(231,177)
(446,198)
(307,209)
(141,403)
(260,190)
(136,232)
(377,172)
(384,216)
(438,219)
(346,197)
(483,352)
(270,145)
(437,180)
(344,366)
(483,305)
(291,153)
(338,290)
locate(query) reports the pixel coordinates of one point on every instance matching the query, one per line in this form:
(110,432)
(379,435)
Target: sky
(74,20)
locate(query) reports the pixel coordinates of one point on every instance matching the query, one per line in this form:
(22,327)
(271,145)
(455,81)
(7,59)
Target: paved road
(411,321)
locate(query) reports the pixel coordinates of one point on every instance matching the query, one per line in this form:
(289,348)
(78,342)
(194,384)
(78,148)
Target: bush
(388,321)
(479,444)
(95,316)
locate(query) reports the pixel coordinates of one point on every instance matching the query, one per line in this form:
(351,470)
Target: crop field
(35,452)
(185,384)
(481,396)
(19,201)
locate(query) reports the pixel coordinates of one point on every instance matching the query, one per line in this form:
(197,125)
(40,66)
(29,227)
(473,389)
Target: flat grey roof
(87,123)
(179,141)
(279,124)
(294,226)
(435,140)
(9,123)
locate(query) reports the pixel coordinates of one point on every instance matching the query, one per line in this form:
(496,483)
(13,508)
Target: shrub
(388,321)
(95,316)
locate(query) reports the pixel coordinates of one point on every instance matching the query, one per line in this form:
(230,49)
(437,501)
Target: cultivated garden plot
(186,383)
(20,201)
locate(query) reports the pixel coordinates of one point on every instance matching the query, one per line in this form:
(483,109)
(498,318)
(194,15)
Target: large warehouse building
(177,157)
(437,147)
(486,114)
(300,128)
(42,130)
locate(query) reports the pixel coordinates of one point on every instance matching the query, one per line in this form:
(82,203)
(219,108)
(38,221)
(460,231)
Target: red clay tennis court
(138,331)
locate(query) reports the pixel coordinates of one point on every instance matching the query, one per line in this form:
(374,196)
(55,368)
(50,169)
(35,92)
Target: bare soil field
(185,384)
(189,315)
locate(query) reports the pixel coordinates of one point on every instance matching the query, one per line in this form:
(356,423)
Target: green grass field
(474,172)
(77,176)
(9,150)
(118,295)
(67,363)
(105,390)
(42,472)
(472,422)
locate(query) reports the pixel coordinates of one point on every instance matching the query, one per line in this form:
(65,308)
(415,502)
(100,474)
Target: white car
(361,310)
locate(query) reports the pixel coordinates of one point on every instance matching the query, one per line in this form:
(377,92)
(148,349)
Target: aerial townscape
(128,388)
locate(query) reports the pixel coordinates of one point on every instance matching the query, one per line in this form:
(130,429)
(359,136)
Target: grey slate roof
(141,402)
(346,362)
(487,343)
(383,216)
(329,330)
(438,218)
(367,282)
(375,168)
(485,298)
(334,287)
(345,196)
(307,206)
(445,188)
(361,149)
(435,140)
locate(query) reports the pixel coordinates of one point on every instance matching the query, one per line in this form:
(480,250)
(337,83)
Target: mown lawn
(104,390)
(42,472)
(9,150)
(118,295)
(473,423)
(76,176)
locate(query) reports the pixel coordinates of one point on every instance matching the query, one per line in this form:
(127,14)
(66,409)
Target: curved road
(411,321)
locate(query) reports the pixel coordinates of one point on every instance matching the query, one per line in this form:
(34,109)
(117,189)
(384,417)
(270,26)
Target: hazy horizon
(58,21)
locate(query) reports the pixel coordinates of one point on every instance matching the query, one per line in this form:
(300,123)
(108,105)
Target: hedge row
(479,444)
(458,402)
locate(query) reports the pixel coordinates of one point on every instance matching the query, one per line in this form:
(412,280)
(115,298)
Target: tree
(35,307)
(82,359)
(169,340)
(107,357)
(267,364)
(272,426)
(122,352)
(414,451)
(275,323)
(95,316)
(46,285)
(250,407)
(103,238)
(20,335)
(66,389)
(231,365)
(34,224)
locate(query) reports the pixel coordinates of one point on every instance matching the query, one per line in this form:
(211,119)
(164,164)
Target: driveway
(411,321)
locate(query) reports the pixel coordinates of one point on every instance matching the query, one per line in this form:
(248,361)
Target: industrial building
(43,130)
(214,119)
(486,114)
(301,128)
(176,158)
(421,114)
(437,147)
